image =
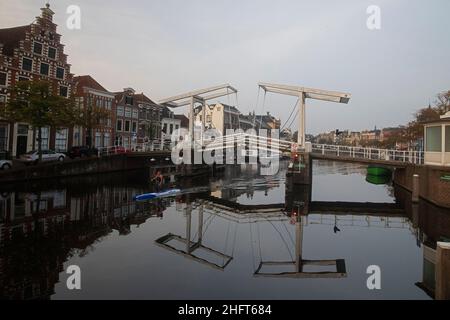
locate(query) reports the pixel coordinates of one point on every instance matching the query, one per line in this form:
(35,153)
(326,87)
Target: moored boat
(379,171)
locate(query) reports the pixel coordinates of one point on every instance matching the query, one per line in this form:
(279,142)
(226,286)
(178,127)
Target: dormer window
(37,48)
(129,100)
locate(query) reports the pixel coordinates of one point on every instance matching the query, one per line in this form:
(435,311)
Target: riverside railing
(410,156)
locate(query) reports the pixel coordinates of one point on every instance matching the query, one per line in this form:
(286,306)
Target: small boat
(151,196)
(379,171)
(378,180)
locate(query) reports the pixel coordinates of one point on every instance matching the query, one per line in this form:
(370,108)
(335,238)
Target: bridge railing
(415,157)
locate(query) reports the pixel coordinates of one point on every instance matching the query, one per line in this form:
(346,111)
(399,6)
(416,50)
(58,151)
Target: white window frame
(40,69)
(32,64)
(61,135)
(42,48)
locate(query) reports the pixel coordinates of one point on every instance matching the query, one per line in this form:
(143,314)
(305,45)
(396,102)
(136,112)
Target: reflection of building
(40,231)
(33,52)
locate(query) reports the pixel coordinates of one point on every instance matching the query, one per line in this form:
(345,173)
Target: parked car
(32,157)
(81,152)
(5,164)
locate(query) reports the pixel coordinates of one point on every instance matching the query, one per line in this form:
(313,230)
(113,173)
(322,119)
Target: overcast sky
(168,47)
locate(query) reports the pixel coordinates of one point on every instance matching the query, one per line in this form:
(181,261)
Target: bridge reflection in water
(45,225)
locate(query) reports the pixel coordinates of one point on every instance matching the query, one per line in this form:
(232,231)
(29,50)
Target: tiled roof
(88,82)
(10,38)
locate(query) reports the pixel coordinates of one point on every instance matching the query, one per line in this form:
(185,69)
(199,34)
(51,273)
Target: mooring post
(415,188)
(442,271)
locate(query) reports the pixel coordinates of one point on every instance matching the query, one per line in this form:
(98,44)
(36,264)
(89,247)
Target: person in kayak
(158,179)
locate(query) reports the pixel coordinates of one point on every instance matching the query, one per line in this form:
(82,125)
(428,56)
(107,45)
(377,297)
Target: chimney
(47,13)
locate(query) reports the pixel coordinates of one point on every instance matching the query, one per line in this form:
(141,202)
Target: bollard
(415,188)
(442,271)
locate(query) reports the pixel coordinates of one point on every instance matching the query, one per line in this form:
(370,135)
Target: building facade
(169,123)
(218,116)
(149,127)
(127,119)
(33,52)
(92,97)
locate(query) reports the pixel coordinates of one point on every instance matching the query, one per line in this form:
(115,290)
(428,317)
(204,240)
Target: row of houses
(223,117)
(35,52)
(361,138)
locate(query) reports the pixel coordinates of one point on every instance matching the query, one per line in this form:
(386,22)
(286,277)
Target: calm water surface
(139,250)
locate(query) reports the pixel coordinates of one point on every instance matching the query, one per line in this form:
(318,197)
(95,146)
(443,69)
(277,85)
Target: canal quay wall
(90,166)
(434,183)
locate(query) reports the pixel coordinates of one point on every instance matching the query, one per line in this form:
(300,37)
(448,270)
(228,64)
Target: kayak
(164,194)
(379,171)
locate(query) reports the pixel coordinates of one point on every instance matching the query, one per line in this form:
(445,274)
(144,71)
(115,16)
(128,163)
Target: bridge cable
(292,113)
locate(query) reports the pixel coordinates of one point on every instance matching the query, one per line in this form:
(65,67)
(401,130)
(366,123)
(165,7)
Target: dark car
(82,152)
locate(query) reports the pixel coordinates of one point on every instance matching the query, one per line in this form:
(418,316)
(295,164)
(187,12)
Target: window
(135,114)
(165,128)
(63,91)
(129,100)
(118,141)
(52,53)
(128,112)
(37,48)
(177,127)
(106,140)
(120,111)
(126,142)
(44,69)
(434,139)
(60,73)
(2,78)
(127,126)
(3,137)
(171,128)
(119,125)
(134,129)
(23,79)
(447,138)
(44,138)
(2,98)
(98,139)
(61,140)
(27,64)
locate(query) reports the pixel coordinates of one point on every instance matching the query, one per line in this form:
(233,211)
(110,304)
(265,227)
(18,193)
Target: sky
(167,47)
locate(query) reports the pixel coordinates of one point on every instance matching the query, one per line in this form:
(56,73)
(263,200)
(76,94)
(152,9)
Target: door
(22,142)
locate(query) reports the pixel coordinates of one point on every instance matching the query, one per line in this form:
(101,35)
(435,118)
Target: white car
(5,164)
(47,155)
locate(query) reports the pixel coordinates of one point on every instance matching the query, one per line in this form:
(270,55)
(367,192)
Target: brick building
(33,52)
(127,118)
(149,127)
(89,93)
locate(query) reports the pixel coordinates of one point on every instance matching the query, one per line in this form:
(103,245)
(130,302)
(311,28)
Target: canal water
(244,238)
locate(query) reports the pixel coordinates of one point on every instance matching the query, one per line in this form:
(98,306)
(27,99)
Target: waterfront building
(92,96)
(149,127)
(218,116)
(437,141)
(269,121)
(127,118)
(33,52)
(169,123)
